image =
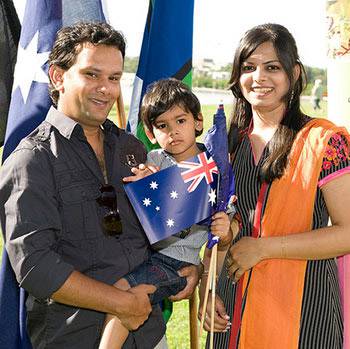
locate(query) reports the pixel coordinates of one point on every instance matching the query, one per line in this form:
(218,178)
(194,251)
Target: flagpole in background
(30,102)
(338,76)
(120,112)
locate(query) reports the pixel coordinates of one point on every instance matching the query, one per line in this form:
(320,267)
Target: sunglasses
(111,222)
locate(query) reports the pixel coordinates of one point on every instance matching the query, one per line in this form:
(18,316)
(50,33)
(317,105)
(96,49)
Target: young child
(172,117)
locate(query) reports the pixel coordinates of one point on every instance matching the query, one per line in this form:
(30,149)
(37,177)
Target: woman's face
(263,81)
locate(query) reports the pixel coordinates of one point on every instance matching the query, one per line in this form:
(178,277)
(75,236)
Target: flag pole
(193,305)
(120,112)
(209,286)
(214,257)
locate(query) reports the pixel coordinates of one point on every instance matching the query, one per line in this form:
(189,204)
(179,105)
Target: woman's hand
(140,172)
(244,255)
(221,319)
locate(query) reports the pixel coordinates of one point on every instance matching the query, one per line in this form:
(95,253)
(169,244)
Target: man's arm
(132,307)
(31,222)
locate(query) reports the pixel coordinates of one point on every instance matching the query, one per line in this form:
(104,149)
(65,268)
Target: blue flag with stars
(175,198)
(30,102)
(216,142)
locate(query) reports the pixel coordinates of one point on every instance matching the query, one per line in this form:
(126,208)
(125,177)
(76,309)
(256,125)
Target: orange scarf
(272,312)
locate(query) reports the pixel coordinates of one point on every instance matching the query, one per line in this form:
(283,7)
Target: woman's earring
(291,99)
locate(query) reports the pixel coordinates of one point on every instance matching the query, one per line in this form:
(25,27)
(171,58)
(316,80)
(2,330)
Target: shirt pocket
(79,211)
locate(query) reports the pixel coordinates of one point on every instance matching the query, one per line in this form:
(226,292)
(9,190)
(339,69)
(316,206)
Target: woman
(292,175)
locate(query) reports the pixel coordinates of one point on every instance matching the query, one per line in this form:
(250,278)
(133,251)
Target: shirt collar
(66,126)
(200,146)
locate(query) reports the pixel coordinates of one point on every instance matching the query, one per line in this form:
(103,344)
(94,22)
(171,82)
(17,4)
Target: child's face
(175,130)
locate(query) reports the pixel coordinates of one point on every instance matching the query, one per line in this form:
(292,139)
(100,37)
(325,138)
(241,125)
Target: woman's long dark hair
(293,120)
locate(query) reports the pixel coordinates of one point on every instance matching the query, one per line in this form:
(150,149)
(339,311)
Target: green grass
(178,326)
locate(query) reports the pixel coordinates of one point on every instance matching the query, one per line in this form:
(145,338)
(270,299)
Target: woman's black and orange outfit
(281,303)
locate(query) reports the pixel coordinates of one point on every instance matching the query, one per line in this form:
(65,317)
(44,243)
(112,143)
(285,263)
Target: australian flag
(30,102)
(175,198)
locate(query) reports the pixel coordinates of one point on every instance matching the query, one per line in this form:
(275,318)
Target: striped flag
(166,52)
(29,104)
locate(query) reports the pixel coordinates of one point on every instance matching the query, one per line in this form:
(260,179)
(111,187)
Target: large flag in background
(9,36)
(30,100)
(166,52)
(164,201)
(29,104)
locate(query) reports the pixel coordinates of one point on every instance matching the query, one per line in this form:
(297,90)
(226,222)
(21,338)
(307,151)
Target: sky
(218,25)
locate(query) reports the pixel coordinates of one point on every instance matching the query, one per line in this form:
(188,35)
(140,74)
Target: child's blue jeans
(160,271)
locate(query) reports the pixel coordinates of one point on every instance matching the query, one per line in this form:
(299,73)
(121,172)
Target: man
(70,231)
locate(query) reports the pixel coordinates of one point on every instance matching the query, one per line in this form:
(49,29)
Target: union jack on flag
(198,171)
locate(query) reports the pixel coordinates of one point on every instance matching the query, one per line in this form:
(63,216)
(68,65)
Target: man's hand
(192,274)
(139,307)
(140,172)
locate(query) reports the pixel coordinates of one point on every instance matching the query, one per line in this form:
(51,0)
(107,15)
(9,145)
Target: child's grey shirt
(185,245)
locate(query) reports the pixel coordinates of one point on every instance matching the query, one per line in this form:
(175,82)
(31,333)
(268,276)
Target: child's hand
(141,172)
(220,227)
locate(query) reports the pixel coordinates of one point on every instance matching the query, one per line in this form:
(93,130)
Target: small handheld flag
(164,201)
(216,143)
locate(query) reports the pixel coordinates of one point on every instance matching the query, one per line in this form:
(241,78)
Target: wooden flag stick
(206,294)
(214,257)
(194,339)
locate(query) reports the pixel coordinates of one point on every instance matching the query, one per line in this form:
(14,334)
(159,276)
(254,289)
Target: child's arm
(224,229)
(142,171)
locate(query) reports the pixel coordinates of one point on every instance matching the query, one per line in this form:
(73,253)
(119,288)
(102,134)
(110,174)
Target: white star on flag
(153,185)
(170,223)
(212,196)
(29,67)
(146,202)
(174,194)
(157,208)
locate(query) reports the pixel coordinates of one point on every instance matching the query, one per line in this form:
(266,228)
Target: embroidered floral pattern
(337,151)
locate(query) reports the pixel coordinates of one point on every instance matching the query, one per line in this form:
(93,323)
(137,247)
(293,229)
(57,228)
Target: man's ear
(198,122)
(150,135)
(56,77)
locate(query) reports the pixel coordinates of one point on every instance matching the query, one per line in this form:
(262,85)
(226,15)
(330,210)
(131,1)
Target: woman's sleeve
(336,160)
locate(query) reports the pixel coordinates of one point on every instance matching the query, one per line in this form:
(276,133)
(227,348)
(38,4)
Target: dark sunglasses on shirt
(111,222)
